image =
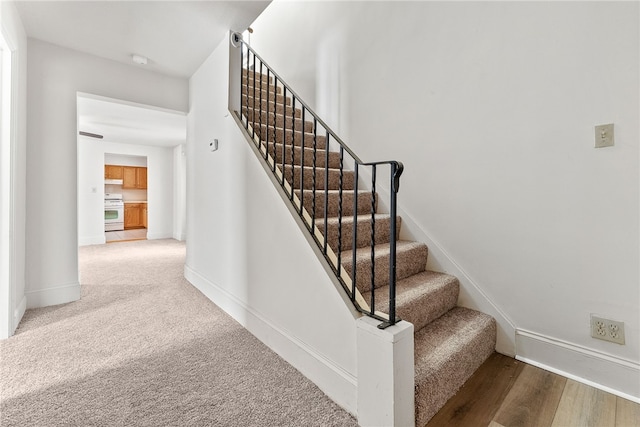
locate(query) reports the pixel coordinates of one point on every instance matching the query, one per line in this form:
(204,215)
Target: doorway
(140,144)
(125,197)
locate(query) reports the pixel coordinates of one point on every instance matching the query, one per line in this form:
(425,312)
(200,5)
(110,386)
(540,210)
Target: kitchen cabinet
(144,215)
(112,172)
(135,215)
(134,177)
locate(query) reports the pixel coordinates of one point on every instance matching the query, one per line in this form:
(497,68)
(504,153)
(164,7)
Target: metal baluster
(267,127)
(242,81)
(293,145)
(373,238)
(354,244)
(315,153)
(284,130)
(326,189)
(340,208)
(253,112)
(260,106)
(302,156)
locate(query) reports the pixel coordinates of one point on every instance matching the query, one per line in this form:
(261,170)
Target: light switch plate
(604,135)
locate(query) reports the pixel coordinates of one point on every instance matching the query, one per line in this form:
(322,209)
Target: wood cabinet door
(141,178)
(129,177)
(132,215)
(144,215)
(112,172)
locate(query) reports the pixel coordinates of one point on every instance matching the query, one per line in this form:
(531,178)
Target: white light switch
(604,135)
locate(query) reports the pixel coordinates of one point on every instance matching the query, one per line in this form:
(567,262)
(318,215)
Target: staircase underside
(451,342)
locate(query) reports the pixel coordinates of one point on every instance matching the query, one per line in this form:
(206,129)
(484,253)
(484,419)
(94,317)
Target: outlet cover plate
(604,135)
(607,329)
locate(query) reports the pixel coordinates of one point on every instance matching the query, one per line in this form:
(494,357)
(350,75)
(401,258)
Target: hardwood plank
(582,405)
(478,400)
(533,399)
(627,413)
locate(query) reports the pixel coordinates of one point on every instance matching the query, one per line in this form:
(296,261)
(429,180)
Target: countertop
(134,201)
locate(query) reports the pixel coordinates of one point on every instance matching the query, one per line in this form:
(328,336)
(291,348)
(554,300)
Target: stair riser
(408,263)
(277,121)
(271,88)
(276,134)
(275,150)
(279,99)
(364,203)
(442,380)
(278,108)
(333,183)
(421,302)
(382,233)
(250,73)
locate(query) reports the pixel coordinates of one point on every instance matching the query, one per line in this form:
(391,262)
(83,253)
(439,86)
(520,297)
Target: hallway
(143,347)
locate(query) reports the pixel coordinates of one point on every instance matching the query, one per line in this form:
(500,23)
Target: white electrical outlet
(607,329)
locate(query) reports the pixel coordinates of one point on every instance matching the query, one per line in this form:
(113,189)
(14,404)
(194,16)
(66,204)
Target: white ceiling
(175,36)
(131,123)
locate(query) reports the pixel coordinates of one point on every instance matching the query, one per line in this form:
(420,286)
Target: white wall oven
(113,212)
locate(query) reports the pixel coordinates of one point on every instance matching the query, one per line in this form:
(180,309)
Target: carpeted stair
(451,342)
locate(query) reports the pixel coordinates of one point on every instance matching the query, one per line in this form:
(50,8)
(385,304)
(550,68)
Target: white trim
(333,380)
(129,103)
(615,375)
(165,235)
(19,311)
(53,296)
(93,240)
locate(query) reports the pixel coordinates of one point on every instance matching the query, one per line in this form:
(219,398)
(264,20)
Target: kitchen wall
(55,76)
(128,194)
(159,194)
(492,106)
(13,192)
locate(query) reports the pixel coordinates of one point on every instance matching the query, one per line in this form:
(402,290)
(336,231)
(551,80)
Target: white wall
(237,221)
(56,74)
(160,181)
(491,106)
(12,217)
(179,192)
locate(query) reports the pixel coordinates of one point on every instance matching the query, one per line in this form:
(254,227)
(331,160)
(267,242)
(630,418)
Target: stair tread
(420,298)
(383,249)
(349,219)
(447,352)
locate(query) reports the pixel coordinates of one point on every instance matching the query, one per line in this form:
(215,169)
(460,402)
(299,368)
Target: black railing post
(354,236)
(373,239)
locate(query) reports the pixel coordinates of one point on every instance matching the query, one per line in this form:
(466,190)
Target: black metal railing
(286,132)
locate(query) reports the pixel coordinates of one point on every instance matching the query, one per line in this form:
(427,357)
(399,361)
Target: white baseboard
(338,384)
(53,296)
(162,235)
(600,370)
(92,240)
(19,312)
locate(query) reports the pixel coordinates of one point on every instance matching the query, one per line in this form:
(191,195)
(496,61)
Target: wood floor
(507,393)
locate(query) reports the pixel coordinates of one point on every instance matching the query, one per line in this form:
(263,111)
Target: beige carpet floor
(144,348)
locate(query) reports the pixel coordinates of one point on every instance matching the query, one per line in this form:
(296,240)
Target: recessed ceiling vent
(91,135)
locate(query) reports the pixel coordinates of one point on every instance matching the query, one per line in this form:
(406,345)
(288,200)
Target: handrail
(263,132)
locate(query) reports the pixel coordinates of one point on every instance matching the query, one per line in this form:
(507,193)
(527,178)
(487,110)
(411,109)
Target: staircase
(451,342)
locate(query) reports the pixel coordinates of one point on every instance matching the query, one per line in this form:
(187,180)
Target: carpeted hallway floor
(144,348)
